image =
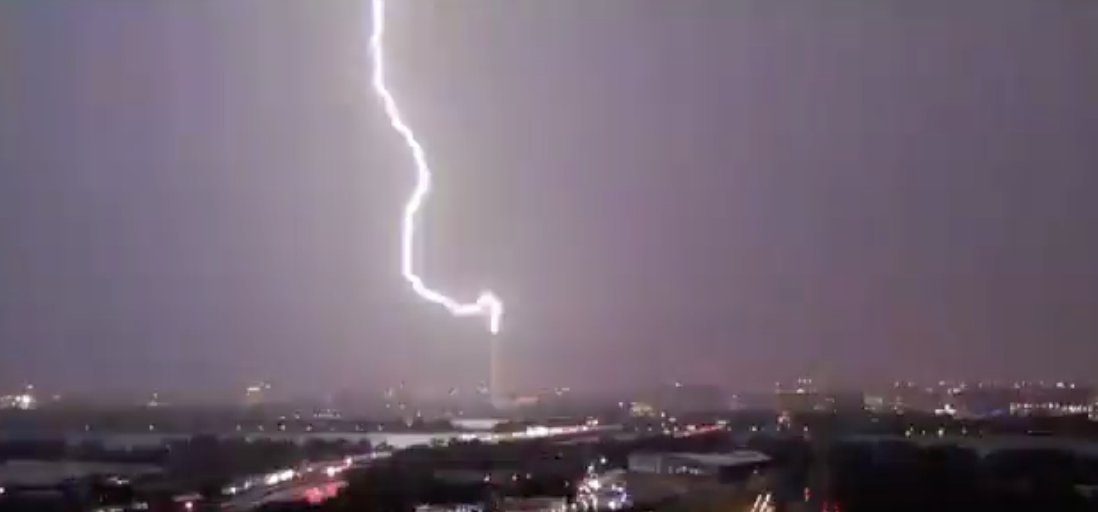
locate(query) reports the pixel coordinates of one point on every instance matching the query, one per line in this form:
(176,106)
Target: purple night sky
(198,194)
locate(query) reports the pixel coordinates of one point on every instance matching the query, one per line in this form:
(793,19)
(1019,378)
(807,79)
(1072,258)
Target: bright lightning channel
(487,304)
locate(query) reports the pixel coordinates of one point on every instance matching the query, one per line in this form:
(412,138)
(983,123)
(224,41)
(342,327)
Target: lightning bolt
(487,305)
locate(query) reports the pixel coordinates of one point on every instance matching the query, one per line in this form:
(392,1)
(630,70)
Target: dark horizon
(194,196)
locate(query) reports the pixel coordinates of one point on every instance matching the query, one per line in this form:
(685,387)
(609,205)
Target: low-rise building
(734,467)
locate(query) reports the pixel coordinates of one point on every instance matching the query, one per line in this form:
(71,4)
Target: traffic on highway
(317,481)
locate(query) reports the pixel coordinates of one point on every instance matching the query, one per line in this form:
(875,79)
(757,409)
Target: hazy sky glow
(204,193)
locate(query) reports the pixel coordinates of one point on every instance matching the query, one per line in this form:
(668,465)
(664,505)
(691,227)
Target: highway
(319,481)
(313,482)
(311,489)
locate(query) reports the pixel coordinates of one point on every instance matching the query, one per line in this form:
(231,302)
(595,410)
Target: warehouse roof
(736,458)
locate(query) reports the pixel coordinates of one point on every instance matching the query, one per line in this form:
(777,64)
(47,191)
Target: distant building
(476,424)
(642,410)
(792,402)
(516,402)
(844,402)
(877,404)
(984,400)
(751,400)
(155,401)
(1052,400)
(543,504)
(909,396)
(24,401)
(257,394)
(798,397)
(684,398)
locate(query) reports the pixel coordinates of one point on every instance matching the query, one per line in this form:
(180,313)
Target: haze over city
(198,195)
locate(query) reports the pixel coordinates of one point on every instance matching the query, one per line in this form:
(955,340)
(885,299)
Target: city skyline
(199,196)
(265,391)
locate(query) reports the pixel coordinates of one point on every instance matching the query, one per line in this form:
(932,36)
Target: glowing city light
(762,503)
(486,304)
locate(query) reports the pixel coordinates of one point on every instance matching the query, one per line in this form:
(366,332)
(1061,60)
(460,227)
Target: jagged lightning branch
(487,304)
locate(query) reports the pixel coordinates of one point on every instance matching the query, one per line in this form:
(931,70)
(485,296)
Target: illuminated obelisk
(486,305)
(496,394)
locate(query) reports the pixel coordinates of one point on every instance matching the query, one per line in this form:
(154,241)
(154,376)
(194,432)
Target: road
(313,482)
(318,481)
(310,489)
